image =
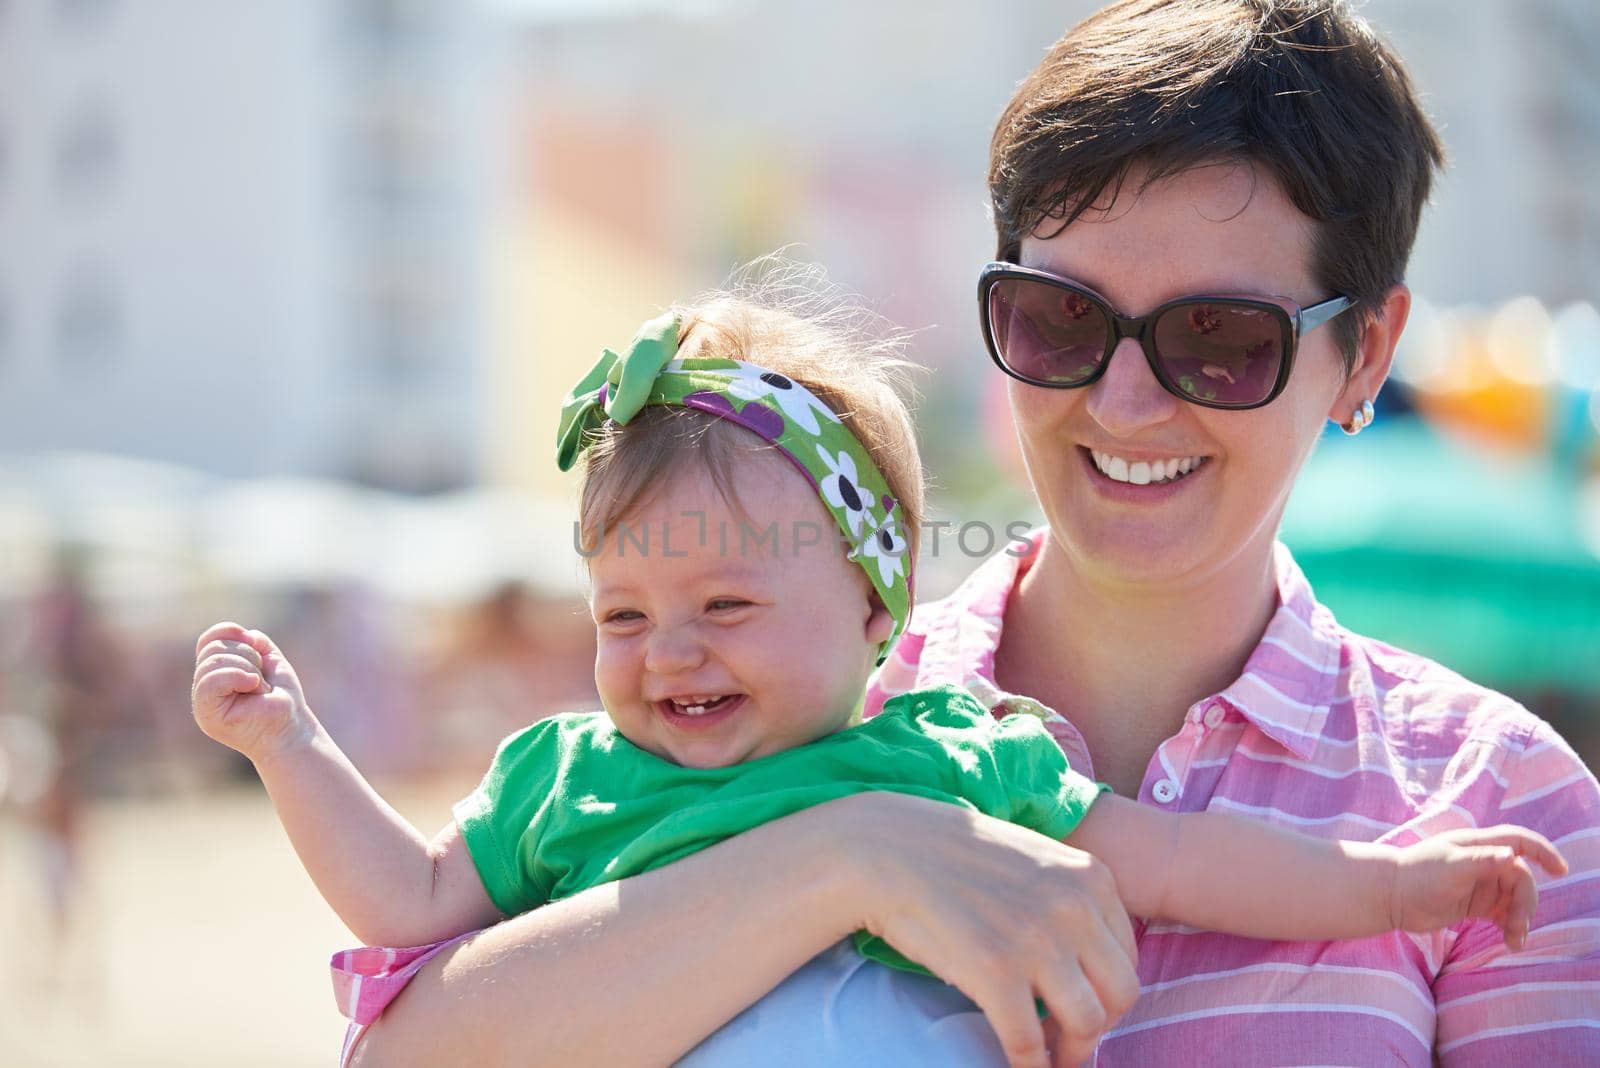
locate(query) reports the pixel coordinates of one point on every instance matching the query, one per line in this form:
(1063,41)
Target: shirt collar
(963,630)
(1285,691)
(1290,679)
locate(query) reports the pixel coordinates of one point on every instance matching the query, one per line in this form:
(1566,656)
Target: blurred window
(80,13)
(88,325)
(388,23)
(87,151)
(5,307)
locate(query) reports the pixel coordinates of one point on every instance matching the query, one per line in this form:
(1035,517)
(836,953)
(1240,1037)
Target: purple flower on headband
(798,404)
(754,417)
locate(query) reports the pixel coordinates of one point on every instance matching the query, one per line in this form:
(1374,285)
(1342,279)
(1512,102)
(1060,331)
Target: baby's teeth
(1139,473)
(1117,468)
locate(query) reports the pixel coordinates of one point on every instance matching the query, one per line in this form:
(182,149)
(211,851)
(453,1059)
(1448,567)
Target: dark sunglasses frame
(1143,328)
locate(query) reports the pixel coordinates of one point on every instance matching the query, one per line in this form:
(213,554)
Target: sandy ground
(199,940)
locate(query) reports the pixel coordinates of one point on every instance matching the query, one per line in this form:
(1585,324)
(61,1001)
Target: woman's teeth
(1144,472)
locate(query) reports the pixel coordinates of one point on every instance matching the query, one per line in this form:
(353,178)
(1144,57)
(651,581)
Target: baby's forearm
(371,865)
(1241,876)
(1251,878)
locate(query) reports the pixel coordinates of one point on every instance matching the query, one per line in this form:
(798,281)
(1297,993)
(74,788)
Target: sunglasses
(1218,352)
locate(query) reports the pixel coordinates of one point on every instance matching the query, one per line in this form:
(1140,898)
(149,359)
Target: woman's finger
(1010,1010)
(1112,974)
(1076,1010)
(1119,926)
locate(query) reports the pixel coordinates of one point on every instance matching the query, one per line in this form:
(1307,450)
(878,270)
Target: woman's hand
(1002,913)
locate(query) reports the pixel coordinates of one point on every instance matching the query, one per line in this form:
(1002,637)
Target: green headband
(777,409)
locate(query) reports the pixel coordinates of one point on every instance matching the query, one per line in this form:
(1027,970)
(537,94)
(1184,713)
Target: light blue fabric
(842,1009)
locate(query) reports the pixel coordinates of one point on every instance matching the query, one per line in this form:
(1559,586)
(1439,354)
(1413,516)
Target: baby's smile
(697,706)
(699,712)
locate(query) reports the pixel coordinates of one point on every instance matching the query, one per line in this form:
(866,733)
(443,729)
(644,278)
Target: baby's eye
(725,604)
(623,615)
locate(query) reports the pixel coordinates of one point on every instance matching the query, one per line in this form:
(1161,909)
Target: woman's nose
(1128,398)
(673,649)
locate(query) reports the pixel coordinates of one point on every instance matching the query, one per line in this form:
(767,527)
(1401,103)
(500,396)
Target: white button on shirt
(1164,791)
(1215,715)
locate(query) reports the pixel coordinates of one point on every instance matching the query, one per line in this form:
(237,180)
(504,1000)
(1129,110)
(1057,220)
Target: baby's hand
(1442,880)
(246,695)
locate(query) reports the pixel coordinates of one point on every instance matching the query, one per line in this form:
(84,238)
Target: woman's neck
(1124,662)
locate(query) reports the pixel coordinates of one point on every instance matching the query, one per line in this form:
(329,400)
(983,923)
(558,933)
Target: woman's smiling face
(717,643)
(1215,230)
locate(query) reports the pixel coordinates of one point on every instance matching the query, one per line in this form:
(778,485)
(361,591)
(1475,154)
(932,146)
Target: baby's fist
(246,694)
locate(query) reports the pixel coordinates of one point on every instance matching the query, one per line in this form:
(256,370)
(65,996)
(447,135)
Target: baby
(750,512)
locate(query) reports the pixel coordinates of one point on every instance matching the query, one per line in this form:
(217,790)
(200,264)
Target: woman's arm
(638,972)
(1247,877)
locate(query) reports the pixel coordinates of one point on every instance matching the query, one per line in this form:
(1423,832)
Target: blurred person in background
(1247,176)
(64,692)
(71,643)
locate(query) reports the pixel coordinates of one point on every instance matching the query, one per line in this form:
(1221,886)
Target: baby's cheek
(615,671)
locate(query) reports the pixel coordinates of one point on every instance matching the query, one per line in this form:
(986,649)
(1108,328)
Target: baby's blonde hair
(785,317)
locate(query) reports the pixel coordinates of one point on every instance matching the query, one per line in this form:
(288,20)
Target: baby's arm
(1247,877)
(388,884)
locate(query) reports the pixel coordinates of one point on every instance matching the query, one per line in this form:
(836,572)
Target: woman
(1250,160)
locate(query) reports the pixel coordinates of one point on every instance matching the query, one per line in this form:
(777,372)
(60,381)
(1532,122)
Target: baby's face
(723,638)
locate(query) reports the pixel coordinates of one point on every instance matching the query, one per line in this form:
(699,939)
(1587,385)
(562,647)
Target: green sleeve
(500,820)
(1012,769)
(1046,794)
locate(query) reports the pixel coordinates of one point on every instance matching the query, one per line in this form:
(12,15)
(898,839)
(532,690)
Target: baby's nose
(673,649)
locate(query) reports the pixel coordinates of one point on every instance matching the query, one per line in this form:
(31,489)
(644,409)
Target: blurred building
(248,237)
(1515,89)
(667,143)
(373,239)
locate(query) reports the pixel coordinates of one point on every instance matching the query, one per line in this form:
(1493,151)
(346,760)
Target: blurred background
(288,292)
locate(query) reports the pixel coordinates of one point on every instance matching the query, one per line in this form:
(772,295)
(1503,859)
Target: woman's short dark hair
(1301,88)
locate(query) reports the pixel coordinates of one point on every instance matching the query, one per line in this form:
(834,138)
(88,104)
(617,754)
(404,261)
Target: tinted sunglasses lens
(1223,354)
(1046,334)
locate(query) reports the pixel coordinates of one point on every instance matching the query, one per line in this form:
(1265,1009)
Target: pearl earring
(1359,420)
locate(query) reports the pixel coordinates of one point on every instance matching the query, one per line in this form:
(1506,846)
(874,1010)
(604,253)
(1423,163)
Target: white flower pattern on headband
(887,546)
(843,490)
(798,405)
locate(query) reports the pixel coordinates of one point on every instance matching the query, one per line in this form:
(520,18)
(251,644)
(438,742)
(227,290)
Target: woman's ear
(1375,355)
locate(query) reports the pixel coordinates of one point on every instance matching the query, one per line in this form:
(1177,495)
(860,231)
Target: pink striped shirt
(1338,735)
